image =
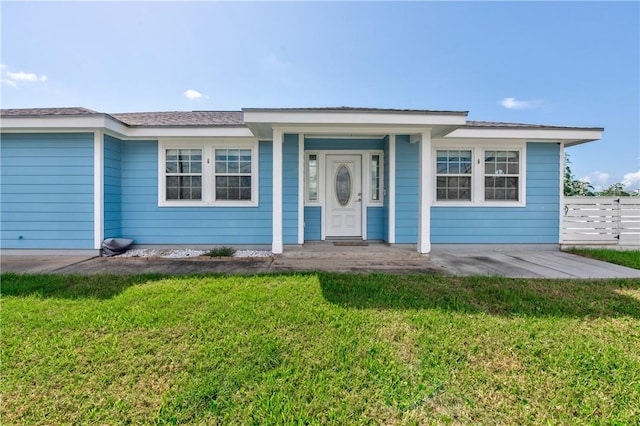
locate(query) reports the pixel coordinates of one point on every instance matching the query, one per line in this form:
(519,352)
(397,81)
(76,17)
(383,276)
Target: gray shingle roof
(502,125)
(236,118)
(36,112)
(182,118)
(358,109)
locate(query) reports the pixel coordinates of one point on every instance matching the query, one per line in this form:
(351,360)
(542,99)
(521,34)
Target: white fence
(601,221)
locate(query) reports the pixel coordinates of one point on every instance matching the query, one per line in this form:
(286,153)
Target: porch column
(424,219)
(392,190)
(276,245)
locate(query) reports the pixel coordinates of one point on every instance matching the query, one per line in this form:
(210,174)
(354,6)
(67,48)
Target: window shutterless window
(212,174)
(501,175)
(312,177)
(375,177)
(183,172)
(479,175)
(453,175)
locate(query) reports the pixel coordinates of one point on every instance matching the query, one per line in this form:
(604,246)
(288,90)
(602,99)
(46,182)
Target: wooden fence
(601,221)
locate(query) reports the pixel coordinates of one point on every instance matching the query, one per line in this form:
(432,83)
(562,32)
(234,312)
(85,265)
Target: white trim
(98,189)
(276,246)
(380,201)
(104,122)
(392,189)
(477,149)
(302,164)
(570,136)
(424,220)
(208,147)
(350,117)
(307,201)
(562,200)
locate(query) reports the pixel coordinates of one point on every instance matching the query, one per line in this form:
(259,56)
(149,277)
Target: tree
(573,186)
(615,190)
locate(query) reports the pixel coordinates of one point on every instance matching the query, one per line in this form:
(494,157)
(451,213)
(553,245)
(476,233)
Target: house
(71,177)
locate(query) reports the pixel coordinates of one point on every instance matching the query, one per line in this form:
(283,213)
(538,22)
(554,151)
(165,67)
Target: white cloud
(631,180)
(14,78)
(513,103)
(194,95)
(599,180)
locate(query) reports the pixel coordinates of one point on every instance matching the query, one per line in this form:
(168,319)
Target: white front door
(343,216)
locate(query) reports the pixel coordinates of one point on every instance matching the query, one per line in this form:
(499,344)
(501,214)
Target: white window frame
(380,200)
(478,173)
(307,200)
(208,147)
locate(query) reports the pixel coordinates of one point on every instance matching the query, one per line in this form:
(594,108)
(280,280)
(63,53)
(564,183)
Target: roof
(236,118)
(39,112)
(357,109)
(181,118)
(502,125)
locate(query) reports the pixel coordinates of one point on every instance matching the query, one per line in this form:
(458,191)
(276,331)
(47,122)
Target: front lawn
(319,349)
(628,258)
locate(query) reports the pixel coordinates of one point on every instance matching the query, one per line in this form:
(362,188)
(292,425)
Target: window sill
(484,204)
(203,204)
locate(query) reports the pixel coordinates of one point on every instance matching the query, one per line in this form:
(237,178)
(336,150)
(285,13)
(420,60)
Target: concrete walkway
(521,262)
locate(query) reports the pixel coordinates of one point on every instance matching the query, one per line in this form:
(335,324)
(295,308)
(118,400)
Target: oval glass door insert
(343,185)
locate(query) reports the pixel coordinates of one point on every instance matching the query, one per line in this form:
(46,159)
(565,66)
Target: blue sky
(571,63)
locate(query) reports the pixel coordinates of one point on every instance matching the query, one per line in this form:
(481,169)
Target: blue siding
(46,191)
(146,223)
(375,223)
(328,143)
(407,187)
(290,189)
(538,222)
(112,187)
(312,223)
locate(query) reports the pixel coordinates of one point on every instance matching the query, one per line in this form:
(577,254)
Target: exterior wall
(146,223)
(112,187)
(407,190)
(290,189)
(46,190)
(538,222)
(312,223)
(375,223)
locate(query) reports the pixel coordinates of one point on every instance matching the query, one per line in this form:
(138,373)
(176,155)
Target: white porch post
(392,190)
(276,246)
(301,183)
(424,226)
(98,189)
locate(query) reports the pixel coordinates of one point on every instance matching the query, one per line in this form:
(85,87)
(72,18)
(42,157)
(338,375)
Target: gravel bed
(184,253)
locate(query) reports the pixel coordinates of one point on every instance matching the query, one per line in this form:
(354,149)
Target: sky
(556,63)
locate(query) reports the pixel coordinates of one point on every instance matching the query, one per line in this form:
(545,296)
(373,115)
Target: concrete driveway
(523,262)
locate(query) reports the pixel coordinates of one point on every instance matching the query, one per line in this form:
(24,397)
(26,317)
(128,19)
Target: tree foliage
(573,186)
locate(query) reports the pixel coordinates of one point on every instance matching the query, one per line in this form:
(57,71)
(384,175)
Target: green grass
(628,258)
(319,349)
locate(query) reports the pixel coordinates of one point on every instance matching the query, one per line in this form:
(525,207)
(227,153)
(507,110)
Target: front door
(343,196)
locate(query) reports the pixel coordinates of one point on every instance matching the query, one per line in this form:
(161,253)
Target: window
(375,177)
(479,175)
(453,175)
(183,168)
(501,175)
(312,177)
(211,174)
(233,174)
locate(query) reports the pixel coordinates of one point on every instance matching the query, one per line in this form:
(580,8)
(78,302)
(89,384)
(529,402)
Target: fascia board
(569,135)
(156,132)
(353,118)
